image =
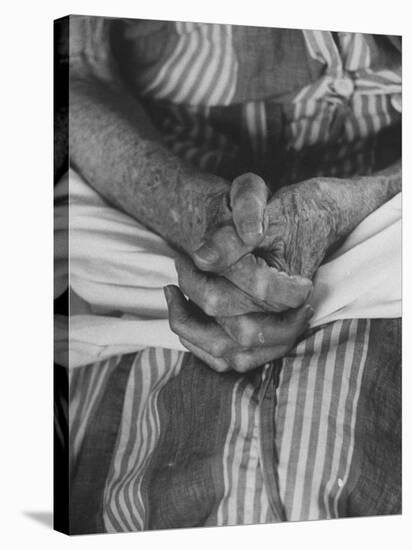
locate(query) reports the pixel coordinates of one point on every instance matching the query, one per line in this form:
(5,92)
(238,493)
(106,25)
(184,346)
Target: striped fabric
(195,93)
(315,422)
(86,388)
(245,500)
(315,418)
(350,101)
(201,69)
(124,507)
(189,134)
(255,123)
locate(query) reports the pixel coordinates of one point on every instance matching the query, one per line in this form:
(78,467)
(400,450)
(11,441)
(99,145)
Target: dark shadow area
(44,518)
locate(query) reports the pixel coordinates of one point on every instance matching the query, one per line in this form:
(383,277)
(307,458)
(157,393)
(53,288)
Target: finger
(215,295)
(248,199)
(246,360)
(216,363)
(262,329)
(192,325)
(220,250)
(267,286)
(241,360)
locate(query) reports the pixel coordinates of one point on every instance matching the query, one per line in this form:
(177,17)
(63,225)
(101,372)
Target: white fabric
(118,269)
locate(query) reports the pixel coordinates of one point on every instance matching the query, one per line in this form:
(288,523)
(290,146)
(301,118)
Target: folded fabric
(363,280)
(118,268)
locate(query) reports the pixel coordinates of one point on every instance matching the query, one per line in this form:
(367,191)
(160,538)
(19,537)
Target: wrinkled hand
(241,342)
(239,249)
(243,334)
(298,229)
(265,259)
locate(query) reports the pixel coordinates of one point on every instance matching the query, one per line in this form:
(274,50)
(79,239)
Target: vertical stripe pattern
(245,500)
(86,387)
(255,122)
(315,421)
(315,418)
(124,505)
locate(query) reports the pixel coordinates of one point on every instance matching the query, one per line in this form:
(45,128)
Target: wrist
(204,206)
(349,201)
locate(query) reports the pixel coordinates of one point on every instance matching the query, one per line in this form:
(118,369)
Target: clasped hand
(243,293)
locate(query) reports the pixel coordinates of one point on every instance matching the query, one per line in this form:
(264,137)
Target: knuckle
(217,348)
(220,366)
(244,333)
(211,303)
(239,363)
(209,362)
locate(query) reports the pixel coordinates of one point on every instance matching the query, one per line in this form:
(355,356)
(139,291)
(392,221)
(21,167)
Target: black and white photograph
(227,274)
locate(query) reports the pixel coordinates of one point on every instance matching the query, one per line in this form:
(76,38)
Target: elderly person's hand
(299,226)
(289,238)
(301,223)
(232,328)
(233,247)
(229,330)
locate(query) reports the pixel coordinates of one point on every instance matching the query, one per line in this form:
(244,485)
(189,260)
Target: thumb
(248,199)
(229,243)
(220,250)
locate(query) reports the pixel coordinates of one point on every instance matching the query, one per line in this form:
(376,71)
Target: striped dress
(157,439)
(287,104)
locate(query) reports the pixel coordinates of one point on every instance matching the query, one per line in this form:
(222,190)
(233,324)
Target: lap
(186,446)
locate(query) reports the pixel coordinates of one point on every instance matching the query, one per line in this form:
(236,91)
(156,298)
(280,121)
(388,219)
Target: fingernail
(206,254)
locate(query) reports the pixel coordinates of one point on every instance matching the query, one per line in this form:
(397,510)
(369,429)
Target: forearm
(343,203)
(115,147)
(354,199)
